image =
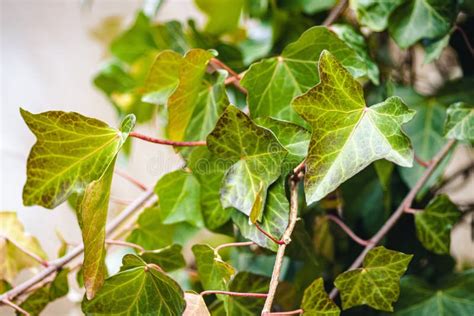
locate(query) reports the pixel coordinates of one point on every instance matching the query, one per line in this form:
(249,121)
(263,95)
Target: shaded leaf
(223,15)
(214,273)
(137,290)
(13,259)
(347,135)
(316,301)
(375,284)
(195,305)
(460,122)
(384,169)
(250,283)
(71,151)
(169,258)
(375,13)
(434,224)
(274,82)
(435,48)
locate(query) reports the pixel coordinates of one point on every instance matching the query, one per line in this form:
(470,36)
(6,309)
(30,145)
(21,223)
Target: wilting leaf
(246,282)
(434,224)
(418,19)
(214,273)
(377,283)
(453,295)
(223,15)
(180,198)
(255,155)
(375,13)
(38,300)
(71,151)
(137,289)
(12,259)
(274,82)
(460,122)
(347,135)
(316,301)
(195,305)
(169,258)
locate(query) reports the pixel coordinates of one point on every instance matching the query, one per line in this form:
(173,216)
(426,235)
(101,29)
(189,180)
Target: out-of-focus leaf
(71,151)
(272,83)
(316,301)
(347,135)
(453,295)
(377,283)
(12,259)
(170,35)
(434,224)
(311,6)
(138,289)
(460,122)
(214,273)
(195,305)
(223,15)
(435,48)
(180,198)
(255,155)
(384,169)
(246,282)
(4,286)
(323,238)
(375,13)
(169,258)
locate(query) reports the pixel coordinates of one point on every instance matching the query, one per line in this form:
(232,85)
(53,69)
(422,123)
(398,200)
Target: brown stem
(286,238)
(167,142)
(124,244)
(128,177)
(335,12)
(466,39)
(263,231)
(406,203)
(16,307)
(348,231)
(27,252)
(234,244)
(421,162)
(295,312)
(216,63)
(260,295)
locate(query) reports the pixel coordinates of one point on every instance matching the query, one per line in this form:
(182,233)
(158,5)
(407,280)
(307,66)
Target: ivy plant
(314,169)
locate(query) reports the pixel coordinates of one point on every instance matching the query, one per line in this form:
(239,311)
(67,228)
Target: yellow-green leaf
(460,121)
(316,301)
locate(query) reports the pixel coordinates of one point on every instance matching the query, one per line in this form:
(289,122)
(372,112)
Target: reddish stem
(167,142)
(421,162)
(16,307)
(348,231)
(259,295)
(297,311)
(277,241)
(124,244)
(413,211)
(29,253)
(235,77)
(466,39)
(234,244)
(128,177)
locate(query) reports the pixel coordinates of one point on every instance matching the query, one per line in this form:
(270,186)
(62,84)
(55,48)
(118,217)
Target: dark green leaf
(214,273)
(169,258)
(316,301)
(460,122)
(435,48)
(246,282)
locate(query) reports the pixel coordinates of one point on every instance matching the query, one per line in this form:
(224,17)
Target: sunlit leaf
(316,301)
(214,273)
(460,121)
(223,15)
(377,283)
(347,135)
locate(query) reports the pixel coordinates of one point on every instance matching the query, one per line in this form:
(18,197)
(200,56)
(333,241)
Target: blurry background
(50,51)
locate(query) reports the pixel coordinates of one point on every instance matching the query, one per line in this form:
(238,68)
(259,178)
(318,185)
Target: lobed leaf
(214,273)
(250,283)
(316,301)
(169,258)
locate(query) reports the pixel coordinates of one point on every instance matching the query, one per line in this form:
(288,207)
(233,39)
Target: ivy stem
(293,217)
(421,162)
(128,177)
(29,253)
(335,12)
(260,295)
(466,39)
(234,244)
(413,211)
(348,231)
(295,312)
(406,203)
(275,240)
(16,307)
(125,244)
(216,63)
(119,201)
(167,142)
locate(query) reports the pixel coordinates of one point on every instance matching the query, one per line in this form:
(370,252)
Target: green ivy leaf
(71,151)
(214,273)
(223,15)
(460,121)
(435,48)
(169,258)
(418,19)
(246,282)
(274,220)
(170,35)
(274,82)
(375,13)
(195,305)
(384,169)
(209,172)
(375,284)
(316,301)
(38,300)
(433,225)
(347,135)
(180,198)
(12,259)
(256,157)
(452,296)
(137,289)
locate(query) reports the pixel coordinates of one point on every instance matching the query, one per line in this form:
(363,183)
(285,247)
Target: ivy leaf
(71,151)
(347,135)
(374,13)
(38,300)
(137,289)
(246,282)
(274,82)
(195,305)
(169,258)
(180,198)
(182,102)
(274,220)
(375,284)
(435,48)
(223,15)
(460,122)
(209,172)
(452,296)
(433,225)
(316,301)
(12,259)
(418,19)
(170,35)
(256,156)
(214,273)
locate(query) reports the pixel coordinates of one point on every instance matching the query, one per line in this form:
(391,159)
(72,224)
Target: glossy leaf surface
(460,122)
